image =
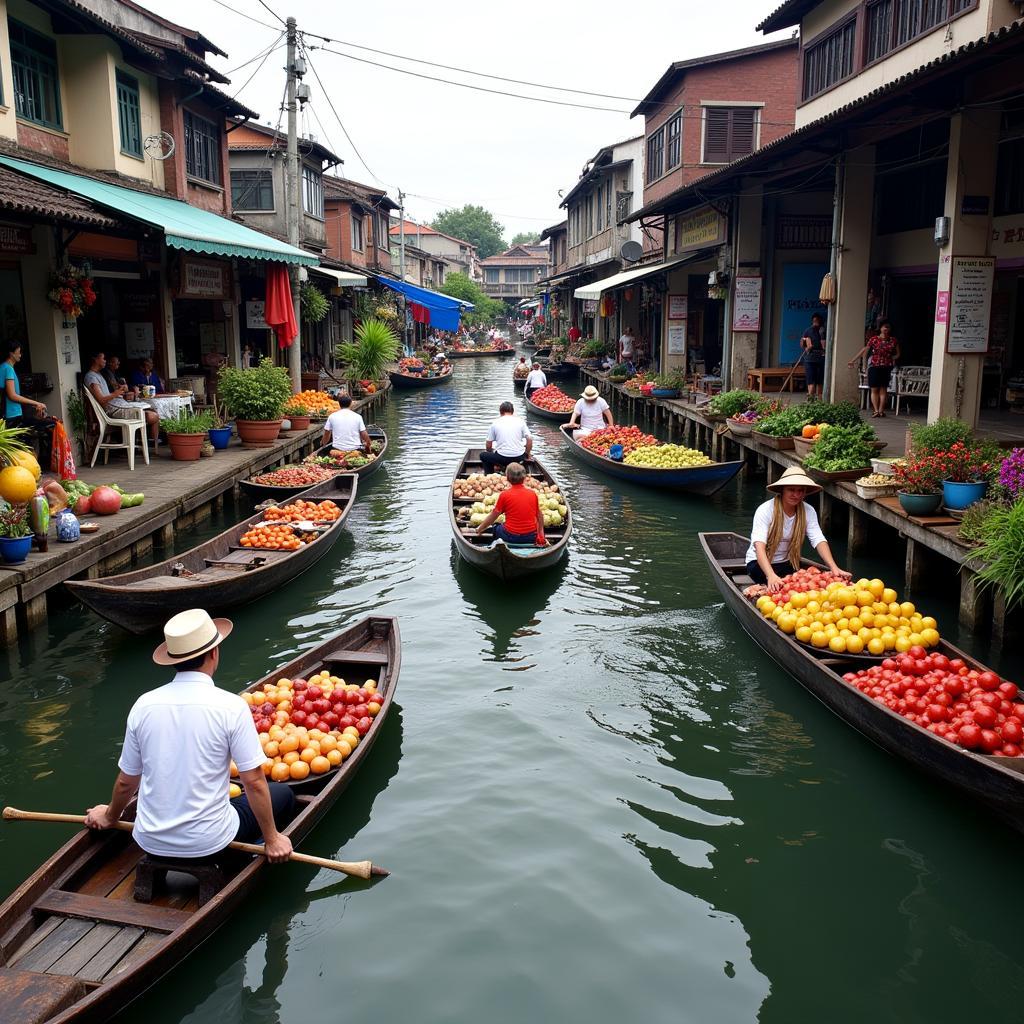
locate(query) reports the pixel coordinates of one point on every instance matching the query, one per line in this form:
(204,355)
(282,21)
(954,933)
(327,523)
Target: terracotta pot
(185,447)
(299,422)
(257,433)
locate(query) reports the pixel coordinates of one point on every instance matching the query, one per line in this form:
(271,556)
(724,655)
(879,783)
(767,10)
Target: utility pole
(293,201)
(401,265)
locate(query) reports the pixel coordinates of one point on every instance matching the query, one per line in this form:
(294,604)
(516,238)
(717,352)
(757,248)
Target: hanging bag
(62,461)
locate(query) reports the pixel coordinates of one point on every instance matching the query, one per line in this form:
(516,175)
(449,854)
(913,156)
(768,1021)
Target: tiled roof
(109,27)
(343,188)
(21,194)
(786,14)
(190,56)
(228,104)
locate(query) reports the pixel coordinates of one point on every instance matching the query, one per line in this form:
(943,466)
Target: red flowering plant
(918,474)
(961,464)
(71,290)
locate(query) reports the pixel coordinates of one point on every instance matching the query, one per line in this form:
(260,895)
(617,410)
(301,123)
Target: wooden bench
(773,378)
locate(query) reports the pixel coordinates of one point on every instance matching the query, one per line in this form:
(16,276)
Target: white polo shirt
(181,738)
(345,427)
(590,415)
(536,379)
(509,435)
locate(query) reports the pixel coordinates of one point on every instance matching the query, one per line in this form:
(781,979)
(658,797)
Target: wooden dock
(178,495)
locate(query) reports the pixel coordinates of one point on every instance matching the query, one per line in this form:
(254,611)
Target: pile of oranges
(271,538)
(319,403)
(302,511)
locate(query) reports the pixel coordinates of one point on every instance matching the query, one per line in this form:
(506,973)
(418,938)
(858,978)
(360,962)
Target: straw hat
(590,393)
(794,477)
(189,634)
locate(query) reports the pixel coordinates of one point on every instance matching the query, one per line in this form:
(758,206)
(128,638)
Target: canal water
(599,799)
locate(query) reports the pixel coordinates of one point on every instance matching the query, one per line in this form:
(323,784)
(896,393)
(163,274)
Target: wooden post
(35,611)
(165,535)
(142,547)
(774,473)
(825,509)
(998,618)
(974,600)
(914,565)
(9,626)
(857,532)
(218,503)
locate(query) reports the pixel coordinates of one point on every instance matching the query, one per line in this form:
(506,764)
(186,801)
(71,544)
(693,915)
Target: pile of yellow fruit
(852,618)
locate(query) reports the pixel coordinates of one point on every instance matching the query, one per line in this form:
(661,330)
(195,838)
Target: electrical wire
(262,52)
(259,66)
(242,14)
(270,10)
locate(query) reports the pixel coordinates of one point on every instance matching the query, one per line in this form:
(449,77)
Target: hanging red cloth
(280,312)
(420,314)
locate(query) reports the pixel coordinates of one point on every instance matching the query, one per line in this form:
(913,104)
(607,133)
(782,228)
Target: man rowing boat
(508,440)
(179,743)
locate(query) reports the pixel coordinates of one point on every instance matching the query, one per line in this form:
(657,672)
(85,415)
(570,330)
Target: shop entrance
(13,329)
(124,321)
(910,309)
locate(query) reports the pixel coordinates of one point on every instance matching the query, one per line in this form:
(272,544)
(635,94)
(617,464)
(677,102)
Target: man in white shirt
(508,440)
(535,380)
(179,743)
(592,412)
(345,429)
(114,403)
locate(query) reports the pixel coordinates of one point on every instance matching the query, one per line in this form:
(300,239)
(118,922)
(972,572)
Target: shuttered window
(894,23)
(129,114)
(36,79)
(729,133)
(672,149)
(656,154)
(830,60)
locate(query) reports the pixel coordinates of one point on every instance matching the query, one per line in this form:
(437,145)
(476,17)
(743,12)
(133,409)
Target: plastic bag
(62,461)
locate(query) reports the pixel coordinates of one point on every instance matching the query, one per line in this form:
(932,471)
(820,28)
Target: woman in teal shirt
(13,400)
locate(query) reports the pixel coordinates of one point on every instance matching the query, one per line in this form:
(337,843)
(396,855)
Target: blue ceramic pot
(919,504)
(68,529)
(665,392)
(15,549)
(959,496)
(220,437)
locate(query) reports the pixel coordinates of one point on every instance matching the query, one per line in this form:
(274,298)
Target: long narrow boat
(216,575)
(993,780)
(560,371)
(518,383)
(546,414)
(507,562)
(408,381)
(703,480)
(478,353)
(75,945)
(272,492)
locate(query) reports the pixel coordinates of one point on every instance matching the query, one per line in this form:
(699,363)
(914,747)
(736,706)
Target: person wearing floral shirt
(883,350)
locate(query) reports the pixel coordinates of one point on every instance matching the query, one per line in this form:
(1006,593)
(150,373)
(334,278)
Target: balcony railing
(499,289)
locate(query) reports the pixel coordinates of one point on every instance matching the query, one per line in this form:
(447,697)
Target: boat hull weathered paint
(493,353)
(546,414)
(93,871)
(144,599)
(495,556)
(994,781)
(407,382)
(703,480)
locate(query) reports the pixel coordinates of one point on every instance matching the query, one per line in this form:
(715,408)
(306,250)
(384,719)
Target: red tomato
(984,716)
(1012,731)
(1011,750)
(313,692)
(988,680)
(990,741)
(940,661)
(1008,690)
(298,717)
(363,725)
(969,736)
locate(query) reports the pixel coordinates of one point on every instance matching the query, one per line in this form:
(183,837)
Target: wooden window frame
(127,91)
(856,17)
(356,229)
(28,59)
(255,187)
(659,134)
(313,192)
(195,128)
(948,20)
(677,120)
(755,106)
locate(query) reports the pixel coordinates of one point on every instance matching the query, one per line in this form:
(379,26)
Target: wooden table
(773,378)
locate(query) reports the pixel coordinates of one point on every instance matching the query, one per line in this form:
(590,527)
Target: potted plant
(15,536)
(255,398)
(618,374)
(917,483)
(963,471)
(667,385)
(297,413)
(219,434)
(186,434)
(367,358)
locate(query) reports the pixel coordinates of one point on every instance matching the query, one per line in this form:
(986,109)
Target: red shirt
(883,350)
(520,506)
(574,334)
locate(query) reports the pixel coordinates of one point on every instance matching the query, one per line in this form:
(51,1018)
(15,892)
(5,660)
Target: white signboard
(970,304)
(138,340)
(746,306)
(676,334)
(255,314)
(677,307)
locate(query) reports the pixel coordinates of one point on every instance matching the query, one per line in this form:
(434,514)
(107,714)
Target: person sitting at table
(345,429)
(146,376)
(524,520)
(118,403)
(508,440)
(591,412)
(112,373)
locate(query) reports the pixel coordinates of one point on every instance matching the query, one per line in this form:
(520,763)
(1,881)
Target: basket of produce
(319,403)
(736,404)
(876,485)
(743,424)
(841,453)
(803,445)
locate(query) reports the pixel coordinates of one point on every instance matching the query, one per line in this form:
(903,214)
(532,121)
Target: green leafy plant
(784,422)
(76,414)
(839,414)
(367,358)
(14,522)
(592,349)
(188,423)
(313,303)
(256,394)
(842,448)
(939,436)
(1002,552)
(961,463)
(731,403)
(11,443)
(673,380)
(917,474)
(972,526)
(619,370)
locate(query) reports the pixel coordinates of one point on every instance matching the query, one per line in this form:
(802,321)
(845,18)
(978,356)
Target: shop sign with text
(16,239)
(698,230)
(202,279)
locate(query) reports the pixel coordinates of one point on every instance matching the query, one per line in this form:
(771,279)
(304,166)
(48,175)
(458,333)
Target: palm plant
(375,346)
(11,443)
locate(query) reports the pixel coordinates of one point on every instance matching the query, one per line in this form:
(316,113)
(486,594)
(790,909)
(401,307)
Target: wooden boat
(990,779)
(270,492)
(495,556)
(407,381)
(519,383)
(75,945)
(695,480)
(546,414)
(216,575)
(479,353)
(560,371)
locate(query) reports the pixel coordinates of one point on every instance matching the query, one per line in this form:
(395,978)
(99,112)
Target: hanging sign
(138,340)
(970,304)
(255,318)
(201,279)
(697,230)
(676,334)
(677,307)
(589,307)
(16,240)
(746,304)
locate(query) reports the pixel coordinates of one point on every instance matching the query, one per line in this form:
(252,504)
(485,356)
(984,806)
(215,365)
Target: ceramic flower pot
(14,550)
(958,496)
(665,392)
(185,447)
(258,433)
(919,504)
(220,437)
(300,423)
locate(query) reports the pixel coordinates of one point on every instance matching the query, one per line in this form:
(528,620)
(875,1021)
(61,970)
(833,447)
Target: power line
(242,14)
(261,53)
(272,12)
(259,66)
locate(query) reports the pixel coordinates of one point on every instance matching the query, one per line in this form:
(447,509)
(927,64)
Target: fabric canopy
(344,278)
(184,227)
(444,310)
(595,288)
(279,311)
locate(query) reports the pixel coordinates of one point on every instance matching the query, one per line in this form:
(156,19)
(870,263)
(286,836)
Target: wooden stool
(151,870)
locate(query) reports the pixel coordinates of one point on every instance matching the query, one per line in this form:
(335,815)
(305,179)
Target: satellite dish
(159,146)
(631,251)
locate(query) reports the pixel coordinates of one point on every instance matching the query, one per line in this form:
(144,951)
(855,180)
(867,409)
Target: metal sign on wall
(698,230)
(16,239)
(970,304)
(204,279)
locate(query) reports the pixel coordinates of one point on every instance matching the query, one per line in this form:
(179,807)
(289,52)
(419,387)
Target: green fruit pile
(666,456)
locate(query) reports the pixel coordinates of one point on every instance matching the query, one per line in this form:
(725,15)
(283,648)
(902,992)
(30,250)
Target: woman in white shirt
(780,526)
(535,380)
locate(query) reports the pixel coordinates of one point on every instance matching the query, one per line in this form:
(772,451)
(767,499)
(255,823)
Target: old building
(461,255)
(358,223)
(512,275)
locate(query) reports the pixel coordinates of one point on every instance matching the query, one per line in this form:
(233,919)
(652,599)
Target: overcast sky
(444,145)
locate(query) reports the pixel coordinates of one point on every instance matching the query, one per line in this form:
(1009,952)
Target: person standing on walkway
(626,346)
(15,403)
(345,429)
(813,344)
(524,520)
(591,412)
(179,743)
(535,380)
(508,440)
(884,350)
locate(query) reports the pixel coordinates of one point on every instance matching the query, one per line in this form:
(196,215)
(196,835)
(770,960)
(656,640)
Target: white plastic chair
(129,428)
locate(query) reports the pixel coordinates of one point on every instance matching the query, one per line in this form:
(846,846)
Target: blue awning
(444,310)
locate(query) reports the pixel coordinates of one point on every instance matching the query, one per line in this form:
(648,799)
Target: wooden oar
(359,869)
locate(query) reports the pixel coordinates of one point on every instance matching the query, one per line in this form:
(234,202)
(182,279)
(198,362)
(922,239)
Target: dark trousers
(492,459)
(513,538)
(282,800)
(780,570)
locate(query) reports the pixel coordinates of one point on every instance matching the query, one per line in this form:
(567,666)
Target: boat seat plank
(104,960)
(164,583)
(85,949)
(145,945)
(732,563)
(357,657)
(53,947)
(103,881)
(32,998)
(96,908)
(743,581)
